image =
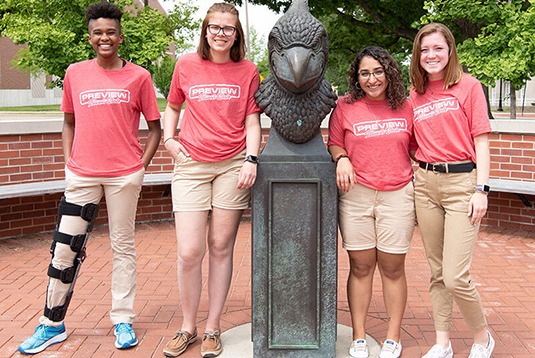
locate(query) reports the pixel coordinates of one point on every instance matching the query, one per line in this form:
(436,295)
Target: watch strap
(251,159)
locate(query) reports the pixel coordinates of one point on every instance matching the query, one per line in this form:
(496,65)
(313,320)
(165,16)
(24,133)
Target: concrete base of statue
(237,342)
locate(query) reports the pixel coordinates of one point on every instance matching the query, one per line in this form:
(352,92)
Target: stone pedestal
(294,252)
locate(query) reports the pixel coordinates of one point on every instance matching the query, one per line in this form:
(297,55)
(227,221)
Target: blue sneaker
(43,337)
(126,337)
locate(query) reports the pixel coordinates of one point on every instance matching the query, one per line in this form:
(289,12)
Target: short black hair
(103,9)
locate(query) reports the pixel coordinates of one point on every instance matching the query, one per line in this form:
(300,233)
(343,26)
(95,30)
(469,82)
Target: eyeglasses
(216,29)
(365,75)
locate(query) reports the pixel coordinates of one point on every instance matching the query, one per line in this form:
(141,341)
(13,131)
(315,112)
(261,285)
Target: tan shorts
(199,186)
(377,219)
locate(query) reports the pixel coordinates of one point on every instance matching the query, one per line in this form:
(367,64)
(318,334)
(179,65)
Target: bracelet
(342,156)
(165,141)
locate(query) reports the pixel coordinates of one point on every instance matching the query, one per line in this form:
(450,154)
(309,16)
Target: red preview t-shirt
(376,139)
(107,106)
(447,120)
(218,98)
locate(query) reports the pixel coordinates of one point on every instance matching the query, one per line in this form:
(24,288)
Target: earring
(357,84)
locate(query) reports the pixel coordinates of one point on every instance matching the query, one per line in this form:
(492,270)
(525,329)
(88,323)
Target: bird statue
(296,95)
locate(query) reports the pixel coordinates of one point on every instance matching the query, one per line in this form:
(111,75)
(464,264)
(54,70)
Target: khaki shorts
(377,219)
(199,186)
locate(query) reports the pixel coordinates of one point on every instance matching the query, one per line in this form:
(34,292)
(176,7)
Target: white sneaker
(478,351)
(438,352)
(390,349)
(359,349)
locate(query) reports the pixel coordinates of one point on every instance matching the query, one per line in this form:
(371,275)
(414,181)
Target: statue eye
(319,40)
(316,46)
(273,41)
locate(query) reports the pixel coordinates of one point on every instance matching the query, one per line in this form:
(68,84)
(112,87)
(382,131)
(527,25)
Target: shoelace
(208,335)
(179,334)
(436,350)
(477,351)
(389,348)
(122,328)
(41,329)
(360,347)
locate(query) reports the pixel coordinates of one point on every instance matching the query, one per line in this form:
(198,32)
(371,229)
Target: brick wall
(34,158)
(11,78)
(512,157)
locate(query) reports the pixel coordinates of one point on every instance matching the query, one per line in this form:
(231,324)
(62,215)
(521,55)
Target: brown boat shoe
(179,343)
(211,344)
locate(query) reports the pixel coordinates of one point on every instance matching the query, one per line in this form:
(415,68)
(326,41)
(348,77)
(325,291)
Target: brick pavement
(503,267)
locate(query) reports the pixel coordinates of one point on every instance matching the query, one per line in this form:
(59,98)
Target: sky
(260,16)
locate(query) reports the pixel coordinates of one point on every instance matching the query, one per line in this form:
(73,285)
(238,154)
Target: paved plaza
(503,267)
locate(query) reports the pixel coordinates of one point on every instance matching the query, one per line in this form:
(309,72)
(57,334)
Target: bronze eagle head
(296,95)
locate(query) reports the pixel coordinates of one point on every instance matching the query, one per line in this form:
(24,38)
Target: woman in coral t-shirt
(215,166)
(370,134)
(451,127)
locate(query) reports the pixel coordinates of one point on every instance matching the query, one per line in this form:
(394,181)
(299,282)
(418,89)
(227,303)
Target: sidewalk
(503,267)
(507,115)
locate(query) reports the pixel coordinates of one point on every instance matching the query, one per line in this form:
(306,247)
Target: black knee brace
(89,213)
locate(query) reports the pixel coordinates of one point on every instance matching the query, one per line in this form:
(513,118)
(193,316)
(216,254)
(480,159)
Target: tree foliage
(55,33)
(503,47)
(355,24)
(259,52)
(162,74)
(497,39)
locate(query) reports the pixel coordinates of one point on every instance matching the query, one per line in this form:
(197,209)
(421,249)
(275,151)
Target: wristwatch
(483,188)
(251,159)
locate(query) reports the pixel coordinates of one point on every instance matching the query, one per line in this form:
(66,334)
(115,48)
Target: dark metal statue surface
(296,95)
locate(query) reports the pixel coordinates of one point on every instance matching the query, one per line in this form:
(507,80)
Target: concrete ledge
(157,179)
(58,186)
(513,126)
(512,186)
(31,189)
(20,123)
(13,123)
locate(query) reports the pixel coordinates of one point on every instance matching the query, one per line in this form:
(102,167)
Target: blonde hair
(237,51)
(453,72)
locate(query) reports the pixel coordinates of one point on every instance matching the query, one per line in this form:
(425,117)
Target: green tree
(55,33)
(391,19)
(502,45)
(259,52)
(162,74)
(355,24)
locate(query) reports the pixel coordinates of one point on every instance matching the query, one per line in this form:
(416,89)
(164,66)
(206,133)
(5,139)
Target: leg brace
(89,213)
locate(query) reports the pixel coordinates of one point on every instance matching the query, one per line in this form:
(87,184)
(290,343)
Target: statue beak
(298,58)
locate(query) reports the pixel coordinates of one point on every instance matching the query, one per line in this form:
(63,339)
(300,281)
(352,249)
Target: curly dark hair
(395,91)
(103,9)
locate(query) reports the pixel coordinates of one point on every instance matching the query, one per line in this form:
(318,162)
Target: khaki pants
(122,195)
(441,201)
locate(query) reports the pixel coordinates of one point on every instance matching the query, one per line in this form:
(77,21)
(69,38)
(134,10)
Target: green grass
(162,102)
(44,108)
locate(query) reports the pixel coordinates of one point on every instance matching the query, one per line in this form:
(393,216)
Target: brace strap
(88,212)
(76,242)
(58,313)
(65,275)
(69,274)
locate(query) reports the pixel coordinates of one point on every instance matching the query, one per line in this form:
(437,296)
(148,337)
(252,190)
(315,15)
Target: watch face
(251,158)
(483,187)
